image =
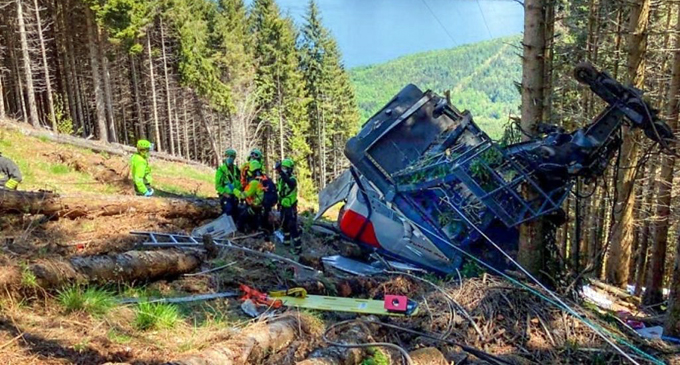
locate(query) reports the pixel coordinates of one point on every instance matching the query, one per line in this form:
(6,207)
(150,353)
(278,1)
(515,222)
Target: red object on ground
(396,303)
(258,297)
(351,223)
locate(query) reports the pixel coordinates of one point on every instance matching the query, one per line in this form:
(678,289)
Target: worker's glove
(11,184)
(148,193)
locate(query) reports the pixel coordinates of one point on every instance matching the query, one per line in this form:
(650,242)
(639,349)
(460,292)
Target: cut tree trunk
(97,205)
(125,267)
(248,347)
(128,266)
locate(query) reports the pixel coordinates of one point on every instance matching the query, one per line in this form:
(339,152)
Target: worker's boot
(286,239)
(297,246)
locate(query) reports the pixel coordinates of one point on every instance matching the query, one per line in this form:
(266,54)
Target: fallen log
(248,347)
(55,205)
(617,292)
(128,266)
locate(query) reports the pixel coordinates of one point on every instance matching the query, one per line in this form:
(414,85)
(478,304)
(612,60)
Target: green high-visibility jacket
(141,172)
(253,193)
(227,179)
(286,186)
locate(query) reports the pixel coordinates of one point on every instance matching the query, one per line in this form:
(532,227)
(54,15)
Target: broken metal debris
(359,268)
(178,240)
(220,228)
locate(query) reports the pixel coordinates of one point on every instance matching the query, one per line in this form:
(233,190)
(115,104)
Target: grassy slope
(42,169)
(481,76)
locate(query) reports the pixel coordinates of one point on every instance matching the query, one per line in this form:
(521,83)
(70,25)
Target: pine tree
(332,110)
(280,93)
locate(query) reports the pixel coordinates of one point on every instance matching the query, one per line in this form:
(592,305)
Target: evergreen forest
(193,76)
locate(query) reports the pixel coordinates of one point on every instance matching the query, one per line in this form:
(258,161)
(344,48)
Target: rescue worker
(10,175)
(227,183)
(287,189)
(255,216)
(255,154)
(141,171)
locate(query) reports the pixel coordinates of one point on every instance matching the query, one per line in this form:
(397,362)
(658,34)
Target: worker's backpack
(271,197)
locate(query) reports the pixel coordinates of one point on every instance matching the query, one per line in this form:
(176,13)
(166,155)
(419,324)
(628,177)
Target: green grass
(118,337)
(376,357)
(59,169)
(92,300)
(40,170)
(28,279)
(82,346)
(167,169)
(155,316)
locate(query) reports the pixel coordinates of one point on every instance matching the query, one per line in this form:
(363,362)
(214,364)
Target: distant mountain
(481,77)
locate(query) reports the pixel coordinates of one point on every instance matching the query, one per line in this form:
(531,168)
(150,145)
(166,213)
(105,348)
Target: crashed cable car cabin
(426,183)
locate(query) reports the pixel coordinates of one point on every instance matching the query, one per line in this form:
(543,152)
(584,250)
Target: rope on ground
(404,353)
(449,299)
(599,330)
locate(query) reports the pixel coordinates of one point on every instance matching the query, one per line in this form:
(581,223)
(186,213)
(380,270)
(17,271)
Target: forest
(622,228)
(199,76)
(481,77)
(194,77)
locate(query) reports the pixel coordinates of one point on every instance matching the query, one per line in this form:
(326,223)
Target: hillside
(66,169)
(481,78)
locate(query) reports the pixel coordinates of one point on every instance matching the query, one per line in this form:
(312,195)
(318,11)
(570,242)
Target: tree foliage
(481,78)
(194,76)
